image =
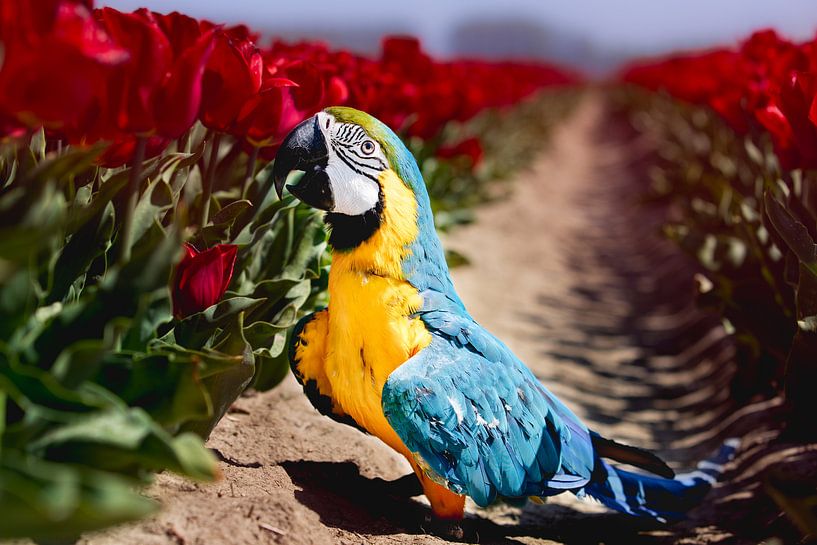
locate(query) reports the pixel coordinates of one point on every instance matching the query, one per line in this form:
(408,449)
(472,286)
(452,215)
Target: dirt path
(570,273)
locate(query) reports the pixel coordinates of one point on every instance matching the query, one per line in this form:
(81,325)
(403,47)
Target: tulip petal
(178,99)
(201,278)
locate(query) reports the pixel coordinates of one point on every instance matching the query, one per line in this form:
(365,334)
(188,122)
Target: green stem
(134,181)
(207,183)
(250,175)
(183,146)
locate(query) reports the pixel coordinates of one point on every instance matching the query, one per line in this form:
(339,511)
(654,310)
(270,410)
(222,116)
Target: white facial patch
(354,163)
(354,194)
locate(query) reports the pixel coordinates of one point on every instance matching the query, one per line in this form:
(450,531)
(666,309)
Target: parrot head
(368,183)
(351,164)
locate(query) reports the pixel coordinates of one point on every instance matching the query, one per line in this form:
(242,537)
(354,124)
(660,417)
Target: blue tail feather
(658,497)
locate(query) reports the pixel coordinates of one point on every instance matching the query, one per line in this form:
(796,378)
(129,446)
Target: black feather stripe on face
(346,142)
(348,232)
(369,170)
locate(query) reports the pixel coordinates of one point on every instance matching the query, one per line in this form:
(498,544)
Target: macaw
(397,355)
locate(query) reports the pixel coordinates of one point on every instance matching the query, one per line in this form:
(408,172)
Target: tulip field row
(148,273)
(737,149)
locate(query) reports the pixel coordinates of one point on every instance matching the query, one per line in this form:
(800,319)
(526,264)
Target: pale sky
(594,34)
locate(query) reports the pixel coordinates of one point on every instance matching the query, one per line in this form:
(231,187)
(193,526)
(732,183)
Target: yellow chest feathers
(370,331)
(370,334)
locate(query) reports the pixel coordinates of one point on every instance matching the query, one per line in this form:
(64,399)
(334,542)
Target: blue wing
(478,419)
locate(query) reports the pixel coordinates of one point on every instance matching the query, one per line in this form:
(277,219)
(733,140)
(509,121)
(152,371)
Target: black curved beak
(304,149)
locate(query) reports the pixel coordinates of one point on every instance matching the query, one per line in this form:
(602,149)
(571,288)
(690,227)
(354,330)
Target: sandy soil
(570,272)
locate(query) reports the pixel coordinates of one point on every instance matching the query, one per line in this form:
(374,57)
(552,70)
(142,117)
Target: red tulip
(406,56)
(57,60)
(201,278)
(299,80)
(794,130)
(768,83)
(181,31)
(25,21)
(127,76)
(771,58)
(267,117)
(308,95)
(159,90)
(338,92)
(405,88)
(232,77)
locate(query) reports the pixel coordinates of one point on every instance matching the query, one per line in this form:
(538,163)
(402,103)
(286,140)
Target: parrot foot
(451,530)
(407,486)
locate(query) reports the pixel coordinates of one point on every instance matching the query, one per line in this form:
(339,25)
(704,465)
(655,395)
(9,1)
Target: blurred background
(593,35)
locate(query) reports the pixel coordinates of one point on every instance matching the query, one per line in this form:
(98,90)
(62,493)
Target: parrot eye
(367,147)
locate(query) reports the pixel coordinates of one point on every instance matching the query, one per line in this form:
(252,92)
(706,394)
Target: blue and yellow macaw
(397,355)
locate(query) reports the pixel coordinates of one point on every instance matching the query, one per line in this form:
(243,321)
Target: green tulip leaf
(276,288)
(78,215)
(156,200)
(262,334)
(85,245)
(228,214)
(193,331)
(792,231)
(79,362)
(56,501)
(225,386)
(123,441)
(69,163)
(270,369)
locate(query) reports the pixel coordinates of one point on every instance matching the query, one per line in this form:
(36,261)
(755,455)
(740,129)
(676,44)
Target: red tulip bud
(201,278)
